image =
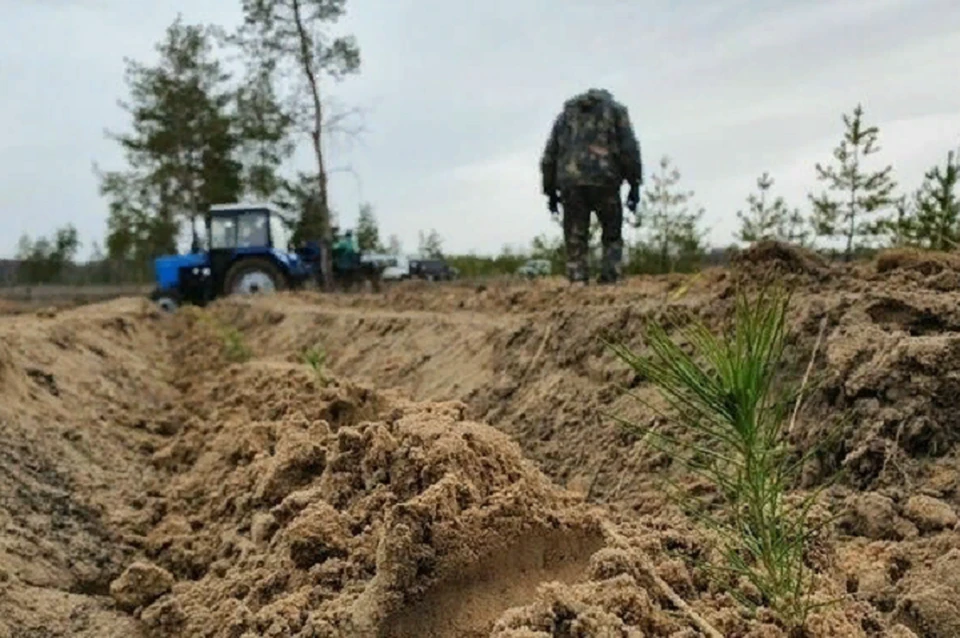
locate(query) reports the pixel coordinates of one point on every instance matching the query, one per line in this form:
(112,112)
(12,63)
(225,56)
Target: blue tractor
(249,251)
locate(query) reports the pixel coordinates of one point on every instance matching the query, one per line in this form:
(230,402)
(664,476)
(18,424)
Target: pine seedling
(734,423)
(316,358)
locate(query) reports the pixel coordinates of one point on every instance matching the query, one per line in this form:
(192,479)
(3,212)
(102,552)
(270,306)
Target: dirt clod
(140,584)
(932,602)
(930,514)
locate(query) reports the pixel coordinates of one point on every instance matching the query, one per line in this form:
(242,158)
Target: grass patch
(316,358)
(234,346)
(734,420)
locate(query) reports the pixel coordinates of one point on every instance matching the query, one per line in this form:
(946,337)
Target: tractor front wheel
(254,275)
(167,303)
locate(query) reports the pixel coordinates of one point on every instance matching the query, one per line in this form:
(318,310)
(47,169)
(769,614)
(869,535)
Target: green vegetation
(430,245)
(930,218)
(234,346)
(723,391)
(859,194)
(674,239)
(289,40)
(45,259)
(368,231)
(316,358)
(768,218)
(182,150)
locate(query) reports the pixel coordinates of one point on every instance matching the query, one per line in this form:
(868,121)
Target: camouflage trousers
(578,204)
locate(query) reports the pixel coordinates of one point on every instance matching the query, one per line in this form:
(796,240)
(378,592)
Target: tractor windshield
(252,230)
(247,228)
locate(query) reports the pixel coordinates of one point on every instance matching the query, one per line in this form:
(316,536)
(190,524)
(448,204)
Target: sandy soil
(448,469)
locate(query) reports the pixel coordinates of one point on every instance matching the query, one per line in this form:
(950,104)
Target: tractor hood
(167,268)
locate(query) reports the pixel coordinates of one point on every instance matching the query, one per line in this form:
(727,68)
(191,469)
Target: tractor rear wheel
(254,275)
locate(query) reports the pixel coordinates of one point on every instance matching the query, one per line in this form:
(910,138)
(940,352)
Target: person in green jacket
(347,243)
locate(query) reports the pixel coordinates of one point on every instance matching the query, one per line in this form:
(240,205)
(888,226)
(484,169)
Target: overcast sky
(459,98)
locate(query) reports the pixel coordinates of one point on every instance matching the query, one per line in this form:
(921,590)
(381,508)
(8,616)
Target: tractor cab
(242,236)
(248,251)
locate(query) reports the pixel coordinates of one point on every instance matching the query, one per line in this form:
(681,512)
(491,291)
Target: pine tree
(674,234)
(368,232)
(937,217)
(265,133)
(765,217)
(901,228)
(139,224)
(182,151)
(794,228)
(770,218)
(859,194)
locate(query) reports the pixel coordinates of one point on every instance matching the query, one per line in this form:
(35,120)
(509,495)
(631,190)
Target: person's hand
(633,198)
(553,203)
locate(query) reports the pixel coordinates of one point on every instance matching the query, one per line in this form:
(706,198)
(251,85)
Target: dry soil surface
(440,461)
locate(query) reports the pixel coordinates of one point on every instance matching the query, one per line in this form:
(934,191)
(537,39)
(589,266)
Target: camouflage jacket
(592,143)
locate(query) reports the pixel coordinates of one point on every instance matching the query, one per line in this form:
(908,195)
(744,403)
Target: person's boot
(576,275)
(611,270)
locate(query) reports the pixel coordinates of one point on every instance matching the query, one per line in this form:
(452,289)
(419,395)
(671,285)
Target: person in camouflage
(591,151)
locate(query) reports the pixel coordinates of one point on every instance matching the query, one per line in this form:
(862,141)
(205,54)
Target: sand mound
(889,391)
(299,505)
(772,258)
(938,271)
(925,262)
(306,507)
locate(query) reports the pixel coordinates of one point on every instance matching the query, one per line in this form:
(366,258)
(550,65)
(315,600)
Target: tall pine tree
(853,195)
(182,150)
(265,133)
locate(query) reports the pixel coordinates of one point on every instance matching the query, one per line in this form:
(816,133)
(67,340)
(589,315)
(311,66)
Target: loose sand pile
(79,395)
(195,476)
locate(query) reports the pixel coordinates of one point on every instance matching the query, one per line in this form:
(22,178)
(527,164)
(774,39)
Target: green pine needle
(721,389)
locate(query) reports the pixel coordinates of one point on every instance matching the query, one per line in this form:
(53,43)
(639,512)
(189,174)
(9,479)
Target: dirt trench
(155,485)
(199,476)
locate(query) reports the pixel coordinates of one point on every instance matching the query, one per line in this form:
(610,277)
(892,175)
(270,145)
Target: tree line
(218,116)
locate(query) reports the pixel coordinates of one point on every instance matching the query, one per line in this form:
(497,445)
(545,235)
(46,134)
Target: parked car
(398,269)
(432,270)
(534,268)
